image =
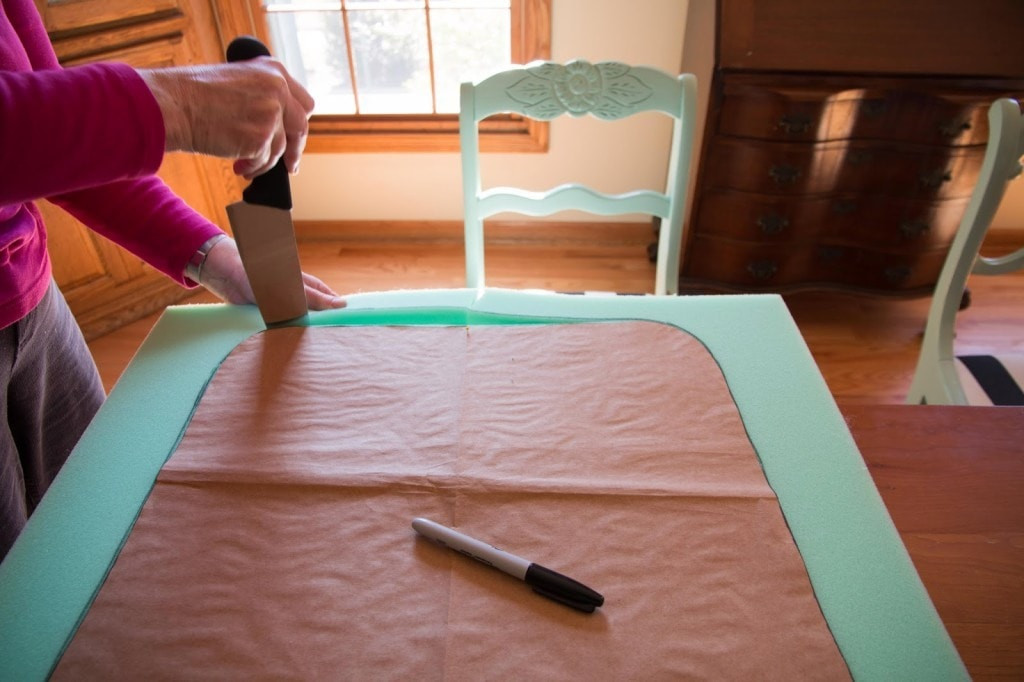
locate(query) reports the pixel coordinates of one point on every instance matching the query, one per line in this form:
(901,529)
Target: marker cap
(562,589)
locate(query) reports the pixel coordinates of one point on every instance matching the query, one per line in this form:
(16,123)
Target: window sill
(370,134)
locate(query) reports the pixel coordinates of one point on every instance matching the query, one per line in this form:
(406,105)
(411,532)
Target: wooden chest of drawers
(842,180)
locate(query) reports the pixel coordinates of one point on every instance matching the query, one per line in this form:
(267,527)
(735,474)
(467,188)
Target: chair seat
(992,380)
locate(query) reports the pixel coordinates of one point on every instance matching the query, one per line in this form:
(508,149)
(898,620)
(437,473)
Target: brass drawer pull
(859,157)
(762,269)
(794,124)
(874,107)
(844,207)
(830,254)
(954,127)
(896,274)
(912,229)
(784,174)
(772,223)
(935,178)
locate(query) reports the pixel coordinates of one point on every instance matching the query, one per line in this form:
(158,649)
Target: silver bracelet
(194,268)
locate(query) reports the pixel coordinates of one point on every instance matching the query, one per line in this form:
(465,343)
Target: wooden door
(107,287)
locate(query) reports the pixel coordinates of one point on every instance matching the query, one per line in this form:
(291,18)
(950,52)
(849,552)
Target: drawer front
(859,37)
(852,219)
(782,267)
(832,167)
(819,113)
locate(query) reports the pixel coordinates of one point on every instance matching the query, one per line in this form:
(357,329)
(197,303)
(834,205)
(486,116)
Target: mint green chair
(941,377)
(607,90)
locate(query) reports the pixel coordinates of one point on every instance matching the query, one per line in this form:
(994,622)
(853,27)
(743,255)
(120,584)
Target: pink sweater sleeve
(68,129)
(90,138)
(145,217)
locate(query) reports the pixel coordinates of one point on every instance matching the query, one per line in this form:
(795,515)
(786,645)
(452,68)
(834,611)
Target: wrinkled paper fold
(276,541)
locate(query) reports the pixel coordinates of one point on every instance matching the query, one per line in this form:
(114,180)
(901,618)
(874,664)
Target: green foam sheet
(872,598)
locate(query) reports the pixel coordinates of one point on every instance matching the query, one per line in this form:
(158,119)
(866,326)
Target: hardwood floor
(865,347)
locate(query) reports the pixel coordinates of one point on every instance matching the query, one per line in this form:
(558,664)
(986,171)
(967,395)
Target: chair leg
(652,248)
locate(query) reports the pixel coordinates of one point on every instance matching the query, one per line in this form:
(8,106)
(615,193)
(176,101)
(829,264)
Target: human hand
(251,111)
(224,275)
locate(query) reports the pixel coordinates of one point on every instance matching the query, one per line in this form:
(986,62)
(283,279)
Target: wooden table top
(953,481)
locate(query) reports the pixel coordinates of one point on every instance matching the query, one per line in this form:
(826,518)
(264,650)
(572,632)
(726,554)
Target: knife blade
(262,227)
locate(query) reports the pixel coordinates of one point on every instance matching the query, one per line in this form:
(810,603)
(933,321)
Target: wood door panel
(105,285)
(75,258)
(76,16)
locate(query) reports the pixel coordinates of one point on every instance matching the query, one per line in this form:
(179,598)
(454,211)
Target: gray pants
(49,390)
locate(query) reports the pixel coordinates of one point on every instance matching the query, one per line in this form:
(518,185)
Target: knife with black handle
(262,227)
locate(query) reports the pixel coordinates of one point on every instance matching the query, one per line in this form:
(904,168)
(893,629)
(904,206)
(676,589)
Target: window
(386,73)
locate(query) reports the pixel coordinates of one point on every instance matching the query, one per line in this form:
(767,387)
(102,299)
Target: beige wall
(1010,215)
(428,186)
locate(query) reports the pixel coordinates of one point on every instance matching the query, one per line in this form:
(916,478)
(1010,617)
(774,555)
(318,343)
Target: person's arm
(145,217)
(149,220)
(67,129)
(91,137)
(253,111)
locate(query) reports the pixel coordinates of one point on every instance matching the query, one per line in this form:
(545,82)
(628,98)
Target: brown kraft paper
(276,541)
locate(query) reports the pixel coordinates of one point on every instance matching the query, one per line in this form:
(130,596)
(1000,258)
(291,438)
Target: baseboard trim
(495,232)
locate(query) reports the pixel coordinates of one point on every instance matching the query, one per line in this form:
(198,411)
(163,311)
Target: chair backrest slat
(572,197)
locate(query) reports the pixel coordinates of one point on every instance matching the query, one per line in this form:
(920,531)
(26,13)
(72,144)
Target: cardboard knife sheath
(266,242)
(262,226)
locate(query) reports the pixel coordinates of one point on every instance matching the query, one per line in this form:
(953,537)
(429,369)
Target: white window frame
(531,40)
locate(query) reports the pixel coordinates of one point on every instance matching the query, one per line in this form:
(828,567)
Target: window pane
(391,63)
(468,44)
(470,39)
(305,4)
(311,44)
(470,4)
(383,4)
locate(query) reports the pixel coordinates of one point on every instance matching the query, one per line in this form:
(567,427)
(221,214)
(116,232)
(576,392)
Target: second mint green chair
(607,90)
(942,377)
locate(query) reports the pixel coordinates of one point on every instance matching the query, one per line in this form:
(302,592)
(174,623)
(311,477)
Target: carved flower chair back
(608,91)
